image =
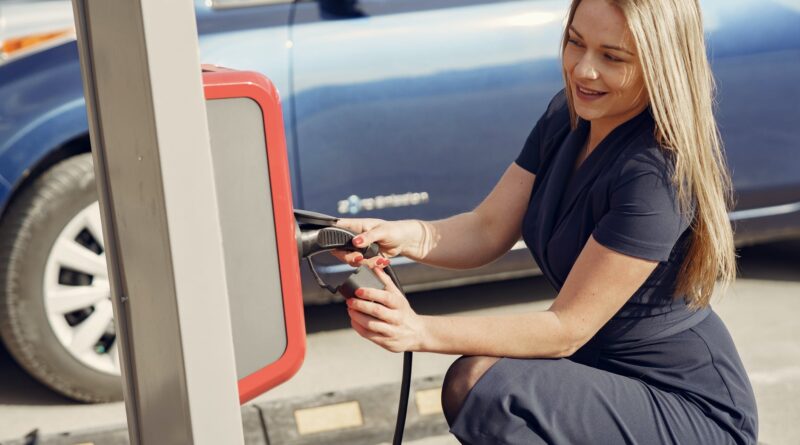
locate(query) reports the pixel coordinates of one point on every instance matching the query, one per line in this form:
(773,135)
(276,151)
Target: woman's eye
(574,42)
(612,58)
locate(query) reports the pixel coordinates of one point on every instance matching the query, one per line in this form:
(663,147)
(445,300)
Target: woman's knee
(462,375)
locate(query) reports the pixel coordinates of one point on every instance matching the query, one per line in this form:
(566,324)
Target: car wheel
(56,317)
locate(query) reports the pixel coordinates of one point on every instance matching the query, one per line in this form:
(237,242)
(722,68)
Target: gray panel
(236,128)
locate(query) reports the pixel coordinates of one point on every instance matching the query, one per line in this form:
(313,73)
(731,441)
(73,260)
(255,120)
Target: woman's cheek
(570,59)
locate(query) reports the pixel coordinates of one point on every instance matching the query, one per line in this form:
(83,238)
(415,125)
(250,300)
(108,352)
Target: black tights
(459,380)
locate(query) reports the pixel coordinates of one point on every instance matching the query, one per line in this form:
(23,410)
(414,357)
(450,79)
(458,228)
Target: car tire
(36,219)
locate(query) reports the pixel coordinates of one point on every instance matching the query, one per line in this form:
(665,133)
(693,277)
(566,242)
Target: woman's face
(602,66)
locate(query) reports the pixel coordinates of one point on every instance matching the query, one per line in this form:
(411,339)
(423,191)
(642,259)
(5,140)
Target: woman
(620,192)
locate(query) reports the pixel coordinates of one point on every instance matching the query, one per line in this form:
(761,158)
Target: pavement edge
(359,416)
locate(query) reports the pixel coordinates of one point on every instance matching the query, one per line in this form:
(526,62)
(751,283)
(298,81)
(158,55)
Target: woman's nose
(585,69)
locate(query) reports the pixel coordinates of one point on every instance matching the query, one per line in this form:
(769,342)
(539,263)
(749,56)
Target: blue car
(433,98)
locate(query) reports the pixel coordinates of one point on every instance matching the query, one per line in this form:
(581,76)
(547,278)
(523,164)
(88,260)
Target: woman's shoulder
(647,170)
(554,125)
(556,116)
(551,126)
(644,155)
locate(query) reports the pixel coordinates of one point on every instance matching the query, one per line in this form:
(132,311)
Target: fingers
(369,231)
(381,296)
(353,225)
(371,336)
(354,259)
(375,310)
(377,262)
(369,234)
(357,225)
(388,284)
(369,323)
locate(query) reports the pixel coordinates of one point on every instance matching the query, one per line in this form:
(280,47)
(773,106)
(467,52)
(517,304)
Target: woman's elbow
(571,342)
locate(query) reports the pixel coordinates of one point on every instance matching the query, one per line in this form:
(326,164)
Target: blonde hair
(677,75)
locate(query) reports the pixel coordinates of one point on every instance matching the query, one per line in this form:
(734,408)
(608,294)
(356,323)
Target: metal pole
(155,179)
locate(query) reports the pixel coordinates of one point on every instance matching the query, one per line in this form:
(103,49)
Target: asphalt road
(761,311)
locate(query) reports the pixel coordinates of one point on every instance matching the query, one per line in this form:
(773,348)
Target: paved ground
(760,310)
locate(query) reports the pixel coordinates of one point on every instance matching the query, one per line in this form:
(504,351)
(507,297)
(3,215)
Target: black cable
(405,386)
(402,408)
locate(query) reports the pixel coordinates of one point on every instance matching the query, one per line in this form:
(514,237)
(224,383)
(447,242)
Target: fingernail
(358,240)
(359,292)
(359,259)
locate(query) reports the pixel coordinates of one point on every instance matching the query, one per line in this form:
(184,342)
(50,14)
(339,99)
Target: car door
(412,108)
(755,52)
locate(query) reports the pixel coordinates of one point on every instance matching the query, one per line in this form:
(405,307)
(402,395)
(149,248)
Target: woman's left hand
(385,317)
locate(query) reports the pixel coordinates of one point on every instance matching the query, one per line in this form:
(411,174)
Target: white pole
(153,165)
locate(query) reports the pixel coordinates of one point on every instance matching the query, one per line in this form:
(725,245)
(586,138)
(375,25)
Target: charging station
(202,241)
(251,173)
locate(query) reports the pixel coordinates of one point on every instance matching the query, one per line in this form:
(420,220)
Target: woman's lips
(587,94)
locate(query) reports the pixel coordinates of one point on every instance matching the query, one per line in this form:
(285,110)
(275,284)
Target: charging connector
(316,233)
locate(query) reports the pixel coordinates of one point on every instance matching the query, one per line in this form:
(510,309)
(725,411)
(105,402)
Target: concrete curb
(361,416)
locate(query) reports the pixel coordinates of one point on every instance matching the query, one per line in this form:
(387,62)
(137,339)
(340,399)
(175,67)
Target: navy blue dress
(657,372)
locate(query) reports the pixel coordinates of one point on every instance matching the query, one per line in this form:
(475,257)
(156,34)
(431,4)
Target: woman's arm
(477,238)
(463,241)
(600,282)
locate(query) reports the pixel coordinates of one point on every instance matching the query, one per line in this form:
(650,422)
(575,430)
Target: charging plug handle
(312,242)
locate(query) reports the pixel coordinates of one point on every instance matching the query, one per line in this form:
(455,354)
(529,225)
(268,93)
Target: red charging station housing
(287,341)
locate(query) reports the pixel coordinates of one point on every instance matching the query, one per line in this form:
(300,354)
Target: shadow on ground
(17,387)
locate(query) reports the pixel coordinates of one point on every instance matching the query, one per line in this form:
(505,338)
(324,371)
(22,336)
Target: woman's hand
(393,237)
(385,317)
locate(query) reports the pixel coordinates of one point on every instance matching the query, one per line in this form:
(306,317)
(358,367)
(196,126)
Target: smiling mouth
(589,92)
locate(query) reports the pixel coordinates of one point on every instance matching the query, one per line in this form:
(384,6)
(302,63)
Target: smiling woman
(620,192)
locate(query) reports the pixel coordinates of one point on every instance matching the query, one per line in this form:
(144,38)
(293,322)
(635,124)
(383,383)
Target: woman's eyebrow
(617,48)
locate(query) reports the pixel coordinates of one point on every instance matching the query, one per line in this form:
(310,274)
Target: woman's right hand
(393,238)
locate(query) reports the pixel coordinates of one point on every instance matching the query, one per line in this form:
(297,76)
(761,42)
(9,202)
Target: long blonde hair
(677,75)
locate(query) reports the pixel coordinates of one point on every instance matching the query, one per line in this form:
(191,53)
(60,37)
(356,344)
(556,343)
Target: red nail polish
(359,259)
(359,292)
(358,240)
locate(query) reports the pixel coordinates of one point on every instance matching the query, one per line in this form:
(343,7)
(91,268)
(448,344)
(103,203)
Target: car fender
(38,141)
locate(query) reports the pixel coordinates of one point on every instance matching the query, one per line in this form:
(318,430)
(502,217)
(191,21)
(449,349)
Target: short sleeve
(530,156)
(644,218)
(555,117)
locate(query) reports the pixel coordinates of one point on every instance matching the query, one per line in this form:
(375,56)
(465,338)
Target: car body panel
(755,49)
(423,101)
(41,108)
